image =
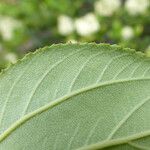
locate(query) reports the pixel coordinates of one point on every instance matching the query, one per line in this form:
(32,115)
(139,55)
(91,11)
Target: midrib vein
(50,105)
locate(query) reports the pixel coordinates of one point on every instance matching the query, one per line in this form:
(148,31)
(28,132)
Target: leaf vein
(44,76)
(124,120)
(89,59)
(10,92)
(109,63)
(138,146)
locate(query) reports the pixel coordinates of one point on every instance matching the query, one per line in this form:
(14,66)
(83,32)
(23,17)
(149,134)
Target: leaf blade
(80,68)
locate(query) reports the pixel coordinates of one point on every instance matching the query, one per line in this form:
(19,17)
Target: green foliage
(39,25)
(76,96)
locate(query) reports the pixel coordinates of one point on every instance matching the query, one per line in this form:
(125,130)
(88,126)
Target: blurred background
(26,25)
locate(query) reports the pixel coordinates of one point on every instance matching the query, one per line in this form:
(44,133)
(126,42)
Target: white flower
(65,25)
(7,27)
(135,7)
(106,7)
(87,25)
(127,33)
(11,57)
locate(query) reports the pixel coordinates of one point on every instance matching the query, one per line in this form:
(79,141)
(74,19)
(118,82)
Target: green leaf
(76,96)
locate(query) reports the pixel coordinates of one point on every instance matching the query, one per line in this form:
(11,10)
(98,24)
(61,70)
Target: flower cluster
(29,25)
(135,7)
(84,26)
(107,7)
(7,27)
(89,23)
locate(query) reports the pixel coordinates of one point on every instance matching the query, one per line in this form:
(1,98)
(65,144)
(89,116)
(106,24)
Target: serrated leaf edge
(39,50)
